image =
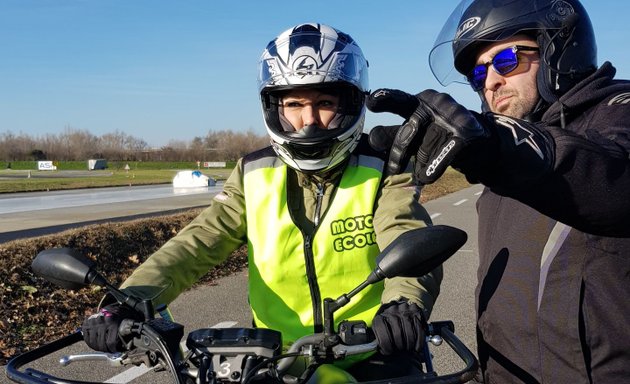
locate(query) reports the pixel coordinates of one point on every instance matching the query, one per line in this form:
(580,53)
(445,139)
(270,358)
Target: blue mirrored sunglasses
(503,62)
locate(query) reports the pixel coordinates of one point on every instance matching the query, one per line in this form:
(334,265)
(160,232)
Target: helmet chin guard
(319,57)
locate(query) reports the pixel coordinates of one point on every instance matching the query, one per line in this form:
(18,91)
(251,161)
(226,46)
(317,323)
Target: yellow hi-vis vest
(289,276)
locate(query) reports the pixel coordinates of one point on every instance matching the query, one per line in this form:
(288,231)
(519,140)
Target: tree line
(79,145)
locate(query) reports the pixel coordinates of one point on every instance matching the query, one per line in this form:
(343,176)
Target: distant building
(94,164)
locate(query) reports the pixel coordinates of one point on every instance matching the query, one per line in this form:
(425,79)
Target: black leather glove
(435,131)
(496,150)
(402,141)
(100,330)
(399,327)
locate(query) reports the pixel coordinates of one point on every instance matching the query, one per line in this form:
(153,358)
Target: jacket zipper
(310,264)
(313,286)
(318,204)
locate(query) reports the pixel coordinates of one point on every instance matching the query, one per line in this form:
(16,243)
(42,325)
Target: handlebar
(31,376)
(236,355)
(444,329)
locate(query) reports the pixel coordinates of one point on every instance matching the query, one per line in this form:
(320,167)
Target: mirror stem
(330,306)
(144,306)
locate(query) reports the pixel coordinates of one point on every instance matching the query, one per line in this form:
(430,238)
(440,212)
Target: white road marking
(460,202)
(129,375)
(433,216)
(225,324)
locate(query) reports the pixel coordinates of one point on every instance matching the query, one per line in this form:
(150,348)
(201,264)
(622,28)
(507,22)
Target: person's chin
(502,104)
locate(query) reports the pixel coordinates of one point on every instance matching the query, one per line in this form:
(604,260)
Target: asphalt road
(225,304)
(40,213)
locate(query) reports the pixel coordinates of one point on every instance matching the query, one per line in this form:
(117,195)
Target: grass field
(111,165)
(26,180)
(30,181)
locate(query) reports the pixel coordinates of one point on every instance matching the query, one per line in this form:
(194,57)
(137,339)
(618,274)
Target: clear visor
(463,30)
(341,105)
(441,57)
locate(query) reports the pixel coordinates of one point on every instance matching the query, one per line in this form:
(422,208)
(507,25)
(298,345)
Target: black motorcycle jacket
(554,274)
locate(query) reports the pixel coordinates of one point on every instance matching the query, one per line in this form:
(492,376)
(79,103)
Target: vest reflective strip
(344,247)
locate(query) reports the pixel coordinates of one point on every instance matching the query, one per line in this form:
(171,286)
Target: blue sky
(172,70)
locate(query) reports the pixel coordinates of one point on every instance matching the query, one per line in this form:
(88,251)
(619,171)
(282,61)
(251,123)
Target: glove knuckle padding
(407,132)
(451,116)
(405,143)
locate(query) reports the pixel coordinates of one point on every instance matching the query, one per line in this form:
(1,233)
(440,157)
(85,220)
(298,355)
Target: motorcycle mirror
(417,252)
(412,254)
(66,268)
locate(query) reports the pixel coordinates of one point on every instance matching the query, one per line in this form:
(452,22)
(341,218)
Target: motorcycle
(249,355)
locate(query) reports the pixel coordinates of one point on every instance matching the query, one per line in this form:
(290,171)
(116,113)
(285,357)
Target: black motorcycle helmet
(562,29)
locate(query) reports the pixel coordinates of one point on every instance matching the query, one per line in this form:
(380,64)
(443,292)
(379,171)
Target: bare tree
(120,146)
(197,149)
(16,147)
(78,145)
(176,150)
(134,146)
(75,144)
(112,145)
(230,145)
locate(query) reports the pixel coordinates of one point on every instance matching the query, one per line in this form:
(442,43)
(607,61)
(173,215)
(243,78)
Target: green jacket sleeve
(398,210)
(204,243)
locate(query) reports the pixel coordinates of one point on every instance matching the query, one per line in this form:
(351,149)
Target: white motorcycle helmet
(314,56)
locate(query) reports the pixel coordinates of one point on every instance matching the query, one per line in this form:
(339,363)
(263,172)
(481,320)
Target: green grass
(111,165)
(23,176)
(73,175)
(19,180)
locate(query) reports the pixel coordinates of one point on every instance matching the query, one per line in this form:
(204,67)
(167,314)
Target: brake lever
(114,359)
(342,350)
